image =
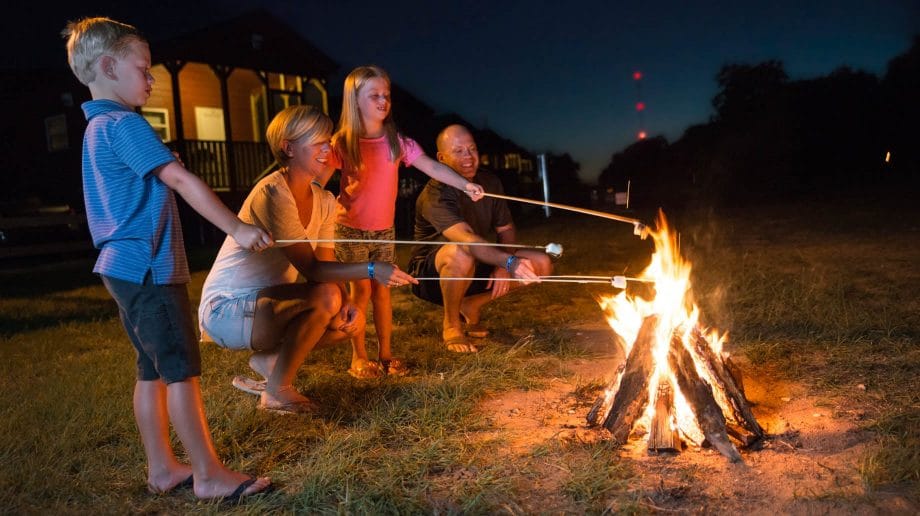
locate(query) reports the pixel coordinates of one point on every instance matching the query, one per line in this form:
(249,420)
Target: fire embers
(676,383)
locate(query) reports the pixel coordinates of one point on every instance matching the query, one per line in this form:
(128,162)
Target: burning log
(662,436)
(740,408)
(699,395)
(632,394)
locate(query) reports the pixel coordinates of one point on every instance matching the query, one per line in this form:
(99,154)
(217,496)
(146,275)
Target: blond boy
(128,179)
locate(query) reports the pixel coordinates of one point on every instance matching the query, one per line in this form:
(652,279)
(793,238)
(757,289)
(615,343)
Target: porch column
(223,74)
(320,85)
(174,67)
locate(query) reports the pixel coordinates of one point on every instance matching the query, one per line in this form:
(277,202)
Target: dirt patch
(809,464)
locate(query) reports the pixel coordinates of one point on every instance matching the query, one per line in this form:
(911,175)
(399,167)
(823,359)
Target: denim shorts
(355,252)
(228,320)
(158,321)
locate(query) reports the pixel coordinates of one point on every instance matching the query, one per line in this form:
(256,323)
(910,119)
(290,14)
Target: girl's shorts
(357,252)
(228,320)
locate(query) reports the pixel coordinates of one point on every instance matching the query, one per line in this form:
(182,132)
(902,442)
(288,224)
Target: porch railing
(210,160)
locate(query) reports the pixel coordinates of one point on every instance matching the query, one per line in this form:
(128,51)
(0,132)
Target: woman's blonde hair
(351,128)
(292,124)
(91,38)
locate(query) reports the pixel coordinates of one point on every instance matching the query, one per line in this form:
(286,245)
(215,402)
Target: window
(158,118)
(56,133)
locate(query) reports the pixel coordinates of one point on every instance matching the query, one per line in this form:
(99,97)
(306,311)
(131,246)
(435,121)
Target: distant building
(216,90)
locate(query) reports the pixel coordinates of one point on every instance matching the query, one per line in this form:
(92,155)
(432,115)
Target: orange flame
(678,315)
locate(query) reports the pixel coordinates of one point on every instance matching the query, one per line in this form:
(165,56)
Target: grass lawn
(823,296)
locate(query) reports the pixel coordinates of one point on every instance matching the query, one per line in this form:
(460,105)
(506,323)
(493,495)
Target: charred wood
(661,436)
(632,395)
(739,407)
(698,394)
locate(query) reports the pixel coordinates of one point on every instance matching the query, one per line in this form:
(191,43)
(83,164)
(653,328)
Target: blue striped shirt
(132,215)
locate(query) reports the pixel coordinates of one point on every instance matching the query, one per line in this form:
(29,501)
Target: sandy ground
(808,465)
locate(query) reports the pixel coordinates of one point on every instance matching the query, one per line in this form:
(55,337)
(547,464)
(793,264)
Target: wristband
(370,270)
(509,263)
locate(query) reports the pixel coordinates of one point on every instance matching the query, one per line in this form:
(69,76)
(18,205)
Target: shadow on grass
(55,311)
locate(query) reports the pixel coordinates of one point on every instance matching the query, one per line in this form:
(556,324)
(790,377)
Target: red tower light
(637,75)
(640,106)
(642,135)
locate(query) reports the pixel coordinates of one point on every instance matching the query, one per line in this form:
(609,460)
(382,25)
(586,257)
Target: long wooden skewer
(638,227)
(552,249)
(615,281)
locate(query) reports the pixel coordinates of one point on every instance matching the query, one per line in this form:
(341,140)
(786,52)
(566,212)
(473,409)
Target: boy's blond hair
(351,127)
(292,124)
(91,38)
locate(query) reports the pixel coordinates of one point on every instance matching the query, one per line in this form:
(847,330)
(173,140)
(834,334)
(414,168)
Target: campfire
(676,386)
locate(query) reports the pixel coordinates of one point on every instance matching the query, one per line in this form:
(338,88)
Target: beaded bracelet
(370,270)
(509,263)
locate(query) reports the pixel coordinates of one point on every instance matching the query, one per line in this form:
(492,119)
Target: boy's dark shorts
(159,323)
(424,267)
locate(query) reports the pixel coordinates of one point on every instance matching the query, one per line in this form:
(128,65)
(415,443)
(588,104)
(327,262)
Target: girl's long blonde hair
(351,127)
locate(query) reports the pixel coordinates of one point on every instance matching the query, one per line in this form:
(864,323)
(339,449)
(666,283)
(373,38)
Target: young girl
(369,149)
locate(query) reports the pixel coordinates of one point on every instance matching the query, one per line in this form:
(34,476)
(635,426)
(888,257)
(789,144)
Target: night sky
(553,76)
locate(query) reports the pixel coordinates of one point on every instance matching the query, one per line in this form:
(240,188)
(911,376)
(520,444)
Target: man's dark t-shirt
(440,206)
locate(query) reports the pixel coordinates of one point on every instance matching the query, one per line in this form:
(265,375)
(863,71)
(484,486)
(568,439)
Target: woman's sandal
(249,385)
(364,369)
(394,367)
(303,405)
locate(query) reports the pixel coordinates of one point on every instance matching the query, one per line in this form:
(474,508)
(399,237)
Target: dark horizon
(551,81)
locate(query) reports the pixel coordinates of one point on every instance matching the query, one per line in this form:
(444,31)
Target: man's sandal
(460,345)
(364,369)
(394,367)
(475,330)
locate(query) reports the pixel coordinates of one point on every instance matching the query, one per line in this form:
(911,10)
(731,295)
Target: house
(217,89)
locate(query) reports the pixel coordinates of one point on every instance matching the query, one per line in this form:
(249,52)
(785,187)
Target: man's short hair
(91,38)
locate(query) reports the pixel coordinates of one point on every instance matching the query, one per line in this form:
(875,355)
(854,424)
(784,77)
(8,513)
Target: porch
(226,166)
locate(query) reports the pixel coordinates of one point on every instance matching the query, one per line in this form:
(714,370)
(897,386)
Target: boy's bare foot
(165,482)
(225,484)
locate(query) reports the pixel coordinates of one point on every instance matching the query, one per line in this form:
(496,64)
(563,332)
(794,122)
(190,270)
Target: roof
(255,40)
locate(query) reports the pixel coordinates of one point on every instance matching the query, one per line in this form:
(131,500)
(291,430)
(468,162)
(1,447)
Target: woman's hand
(474,191)
(389,275)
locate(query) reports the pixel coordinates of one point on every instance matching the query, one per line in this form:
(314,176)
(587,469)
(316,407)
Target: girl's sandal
(364,369)
(394,367)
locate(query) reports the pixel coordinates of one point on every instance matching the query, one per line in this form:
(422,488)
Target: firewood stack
(721,411)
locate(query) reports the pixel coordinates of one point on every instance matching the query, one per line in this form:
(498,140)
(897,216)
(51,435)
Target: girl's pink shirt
(367,197)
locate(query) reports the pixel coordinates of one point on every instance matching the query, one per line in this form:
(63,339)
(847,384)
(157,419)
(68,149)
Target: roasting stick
(639,228)
(615,281)
(552,249)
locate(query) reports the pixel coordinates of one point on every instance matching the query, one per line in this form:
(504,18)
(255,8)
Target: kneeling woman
(254,300)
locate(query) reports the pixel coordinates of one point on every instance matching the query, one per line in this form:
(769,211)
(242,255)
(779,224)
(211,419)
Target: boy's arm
(448,176)
(203,200)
